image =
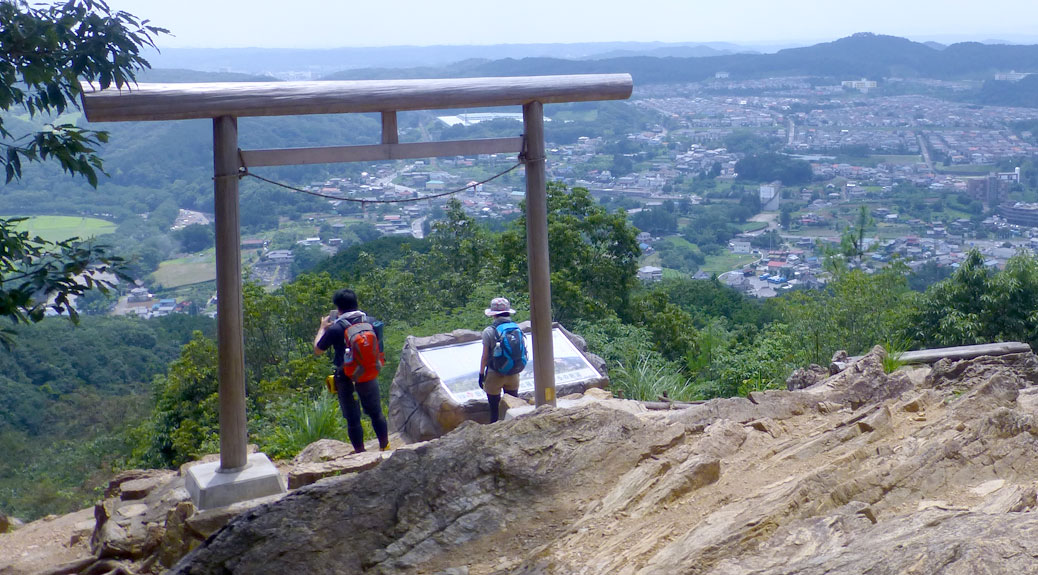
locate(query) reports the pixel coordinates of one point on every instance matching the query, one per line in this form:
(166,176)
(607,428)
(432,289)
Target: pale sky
(330,24)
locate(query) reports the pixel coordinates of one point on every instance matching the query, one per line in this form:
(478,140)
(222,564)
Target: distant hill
(181,75)
(860,55)
(284,62)
(670,51)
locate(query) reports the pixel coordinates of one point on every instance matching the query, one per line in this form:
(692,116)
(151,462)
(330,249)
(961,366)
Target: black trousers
(370,401)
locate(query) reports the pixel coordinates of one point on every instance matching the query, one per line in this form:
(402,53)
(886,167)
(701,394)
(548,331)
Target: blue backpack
(509,357)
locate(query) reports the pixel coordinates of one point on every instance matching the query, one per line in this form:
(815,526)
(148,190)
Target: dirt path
(43,544)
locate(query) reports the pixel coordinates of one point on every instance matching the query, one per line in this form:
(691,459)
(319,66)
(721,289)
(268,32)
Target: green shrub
(651,378)
(895,349)
(304,423)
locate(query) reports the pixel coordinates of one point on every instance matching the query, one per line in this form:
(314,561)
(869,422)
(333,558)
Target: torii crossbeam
(224,103)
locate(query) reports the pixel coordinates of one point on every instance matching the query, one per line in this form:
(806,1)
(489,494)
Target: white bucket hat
(499,306)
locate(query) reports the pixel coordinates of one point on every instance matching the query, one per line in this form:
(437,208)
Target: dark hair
(345,300)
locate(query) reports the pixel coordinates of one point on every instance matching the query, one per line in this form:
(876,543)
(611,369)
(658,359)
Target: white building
(650,274)
(770,196)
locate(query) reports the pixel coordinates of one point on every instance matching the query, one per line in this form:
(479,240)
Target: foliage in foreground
(47,53)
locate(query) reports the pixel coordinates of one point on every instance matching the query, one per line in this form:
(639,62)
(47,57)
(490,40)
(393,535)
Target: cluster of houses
(143,304)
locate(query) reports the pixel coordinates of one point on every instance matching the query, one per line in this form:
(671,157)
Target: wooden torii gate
(224,103)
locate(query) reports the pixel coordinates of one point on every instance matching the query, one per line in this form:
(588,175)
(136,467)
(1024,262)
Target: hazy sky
(327,24)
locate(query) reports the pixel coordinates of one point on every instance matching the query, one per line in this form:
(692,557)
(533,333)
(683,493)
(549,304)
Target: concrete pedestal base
(209,488)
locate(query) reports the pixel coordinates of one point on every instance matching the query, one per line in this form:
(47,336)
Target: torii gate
(232,480)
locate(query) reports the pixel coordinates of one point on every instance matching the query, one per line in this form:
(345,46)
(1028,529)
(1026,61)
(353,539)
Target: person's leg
(371,401)
(495,403)
(350,411)
(492,386)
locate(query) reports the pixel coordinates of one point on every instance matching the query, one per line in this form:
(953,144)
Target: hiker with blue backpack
(504,355)
(357,340)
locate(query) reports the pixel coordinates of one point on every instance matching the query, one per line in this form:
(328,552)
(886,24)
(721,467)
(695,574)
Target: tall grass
(649,379)
(305,423)
(895,349)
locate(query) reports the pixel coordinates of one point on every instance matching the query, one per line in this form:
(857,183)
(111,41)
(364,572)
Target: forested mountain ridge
(860,55)
(332,59)
(67,395)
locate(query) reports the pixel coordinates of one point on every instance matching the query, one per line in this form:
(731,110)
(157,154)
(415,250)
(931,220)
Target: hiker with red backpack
(504,355)
(357,340)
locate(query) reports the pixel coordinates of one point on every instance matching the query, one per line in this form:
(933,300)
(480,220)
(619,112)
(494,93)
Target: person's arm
(484,361)
(488,349)
(325,323)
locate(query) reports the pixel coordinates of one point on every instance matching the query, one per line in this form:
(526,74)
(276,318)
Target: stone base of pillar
(210,488)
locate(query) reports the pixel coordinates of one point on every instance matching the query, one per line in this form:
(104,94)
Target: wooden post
(390,135)
(537,255)
(230,338)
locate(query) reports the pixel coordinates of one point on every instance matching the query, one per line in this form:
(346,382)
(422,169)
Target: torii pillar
(537,255)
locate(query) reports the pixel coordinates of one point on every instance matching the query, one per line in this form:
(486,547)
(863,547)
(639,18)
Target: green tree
(951,311)
(854,312)
(785,216)
(196,237)
(47,54)
(185,421)
(769,166)
(976,306)
(593,255)
(852,242)
(658,220)
(673,333)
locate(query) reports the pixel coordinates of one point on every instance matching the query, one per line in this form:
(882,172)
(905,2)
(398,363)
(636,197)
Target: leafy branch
(47,53)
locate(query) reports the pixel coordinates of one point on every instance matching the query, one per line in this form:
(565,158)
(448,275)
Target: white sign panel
(458,366)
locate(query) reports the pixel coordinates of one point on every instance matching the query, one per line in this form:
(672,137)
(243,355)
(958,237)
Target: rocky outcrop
(806,377)
(862,472)
(328,458)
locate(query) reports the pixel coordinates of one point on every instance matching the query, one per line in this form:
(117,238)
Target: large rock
(137,483)
(420,408)
(305,473)
(323,450)
(806,377)
(421,502)
(862,472)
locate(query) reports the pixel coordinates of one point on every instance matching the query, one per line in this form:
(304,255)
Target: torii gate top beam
(150,102)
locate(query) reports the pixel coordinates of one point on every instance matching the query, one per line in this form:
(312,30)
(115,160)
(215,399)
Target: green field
(965,169)
(899,159)
(752,226)
(727,262)
(60,228)
(188,270)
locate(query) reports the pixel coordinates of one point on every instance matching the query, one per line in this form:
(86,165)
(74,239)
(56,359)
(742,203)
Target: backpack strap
(501,327)
(358,327)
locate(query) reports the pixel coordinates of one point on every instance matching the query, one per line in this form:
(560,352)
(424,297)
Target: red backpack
(366,357)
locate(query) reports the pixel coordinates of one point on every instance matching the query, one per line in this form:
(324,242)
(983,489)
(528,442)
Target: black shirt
(335,335)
